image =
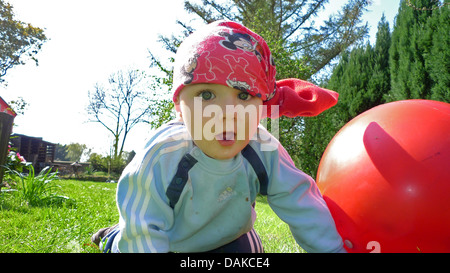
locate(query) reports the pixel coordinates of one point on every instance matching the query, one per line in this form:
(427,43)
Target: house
(5,108)
(35,150)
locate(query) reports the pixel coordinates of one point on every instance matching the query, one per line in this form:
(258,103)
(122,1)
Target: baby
(193,187)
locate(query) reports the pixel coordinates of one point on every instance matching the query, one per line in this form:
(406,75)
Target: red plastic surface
(386,178)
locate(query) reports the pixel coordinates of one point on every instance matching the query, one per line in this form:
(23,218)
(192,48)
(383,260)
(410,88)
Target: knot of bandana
(230,54)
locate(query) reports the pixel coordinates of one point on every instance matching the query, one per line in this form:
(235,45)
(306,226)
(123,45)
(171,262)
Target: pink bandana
(230,54)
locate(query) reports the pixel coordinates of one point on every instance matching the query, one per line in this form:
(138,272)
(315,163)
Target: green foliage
(19,105)
(61,152)
(98,162)
(112,166)
(38,190)
(14,161)
(71,152)
(419,55)
(75,151)
(362,79)
(319,131)
(161,105)
(289,26)
(438,61)
(411,63)
(19,41)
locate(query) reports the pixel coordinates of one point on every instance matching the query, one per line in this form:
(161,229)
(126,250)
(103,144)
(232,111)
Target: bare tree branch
(121,106)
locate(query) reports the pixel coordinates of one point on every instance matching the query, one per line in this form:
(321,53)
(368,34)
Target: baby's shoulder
(166,134)
(168,141)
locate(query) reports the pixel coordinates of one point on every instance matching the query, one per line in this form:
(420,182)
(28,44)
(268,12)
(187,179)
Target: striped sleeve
(145,214)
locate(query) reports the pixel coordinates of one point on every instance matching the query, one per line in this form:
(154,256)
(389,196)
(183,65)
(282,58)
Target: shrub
(112,166)
(38,190)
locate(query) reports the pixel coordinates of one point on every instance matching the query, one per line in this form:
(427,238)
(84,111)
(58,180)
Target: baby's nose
(227,105)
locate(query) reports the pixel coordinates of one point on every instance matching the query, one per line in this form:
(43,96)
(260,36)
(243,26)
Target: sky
(88,41)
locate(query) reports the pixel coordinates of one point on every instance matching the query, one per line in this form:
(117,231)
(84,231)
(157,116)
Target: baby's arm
(295,198)
(143,206)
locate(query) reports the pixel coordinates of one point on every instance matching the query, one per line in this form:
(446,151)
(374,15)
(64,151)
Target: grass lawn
(68,228)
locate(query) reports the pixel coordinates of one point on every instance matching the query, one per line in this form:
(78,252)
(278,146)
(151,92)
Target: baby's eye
(206,95)
(244,96)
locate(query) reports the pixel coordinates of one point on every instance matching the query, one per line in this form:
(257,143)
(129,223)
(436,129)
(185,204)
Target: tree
(161,104)
(288,28)
(109,165)
(19,41)
(419,53)
(362,79)
(60,152)
(380,82)
(438,63)
(75,151)
(120,106)
(72,152)
(362,76)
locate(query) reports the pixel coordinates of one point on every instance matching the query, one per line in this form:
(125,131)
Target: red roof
(5,108)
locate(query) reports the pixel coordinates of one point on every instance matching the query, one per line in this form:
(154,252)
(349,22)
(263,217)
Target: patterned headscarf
(227,53)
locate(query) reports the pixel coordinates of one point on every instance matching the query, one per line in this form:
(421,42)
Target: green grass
(275,235)
(69,227)
(64,228)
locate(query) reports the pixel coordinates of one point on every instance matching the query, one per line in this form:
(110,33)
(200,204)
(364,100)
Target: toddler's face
(221,120)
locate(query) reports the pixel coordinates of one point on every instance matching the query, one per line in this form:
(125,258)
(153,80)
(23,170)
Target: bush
(98,162)
(110,165)
(38,190)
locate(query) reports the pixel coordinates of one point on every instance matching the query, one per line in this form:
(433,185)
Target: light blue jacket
(215,204)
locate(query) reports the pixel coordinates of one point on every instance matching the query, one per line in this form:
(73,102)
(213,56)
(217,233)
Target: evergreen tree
(288,28)
(380,82)
(411,63)
(438,63)
(417,35)
(350,78)
(362,79)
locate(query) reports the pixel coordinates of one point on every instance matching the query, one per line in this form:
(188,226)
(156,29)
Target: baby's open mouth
(226,136)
